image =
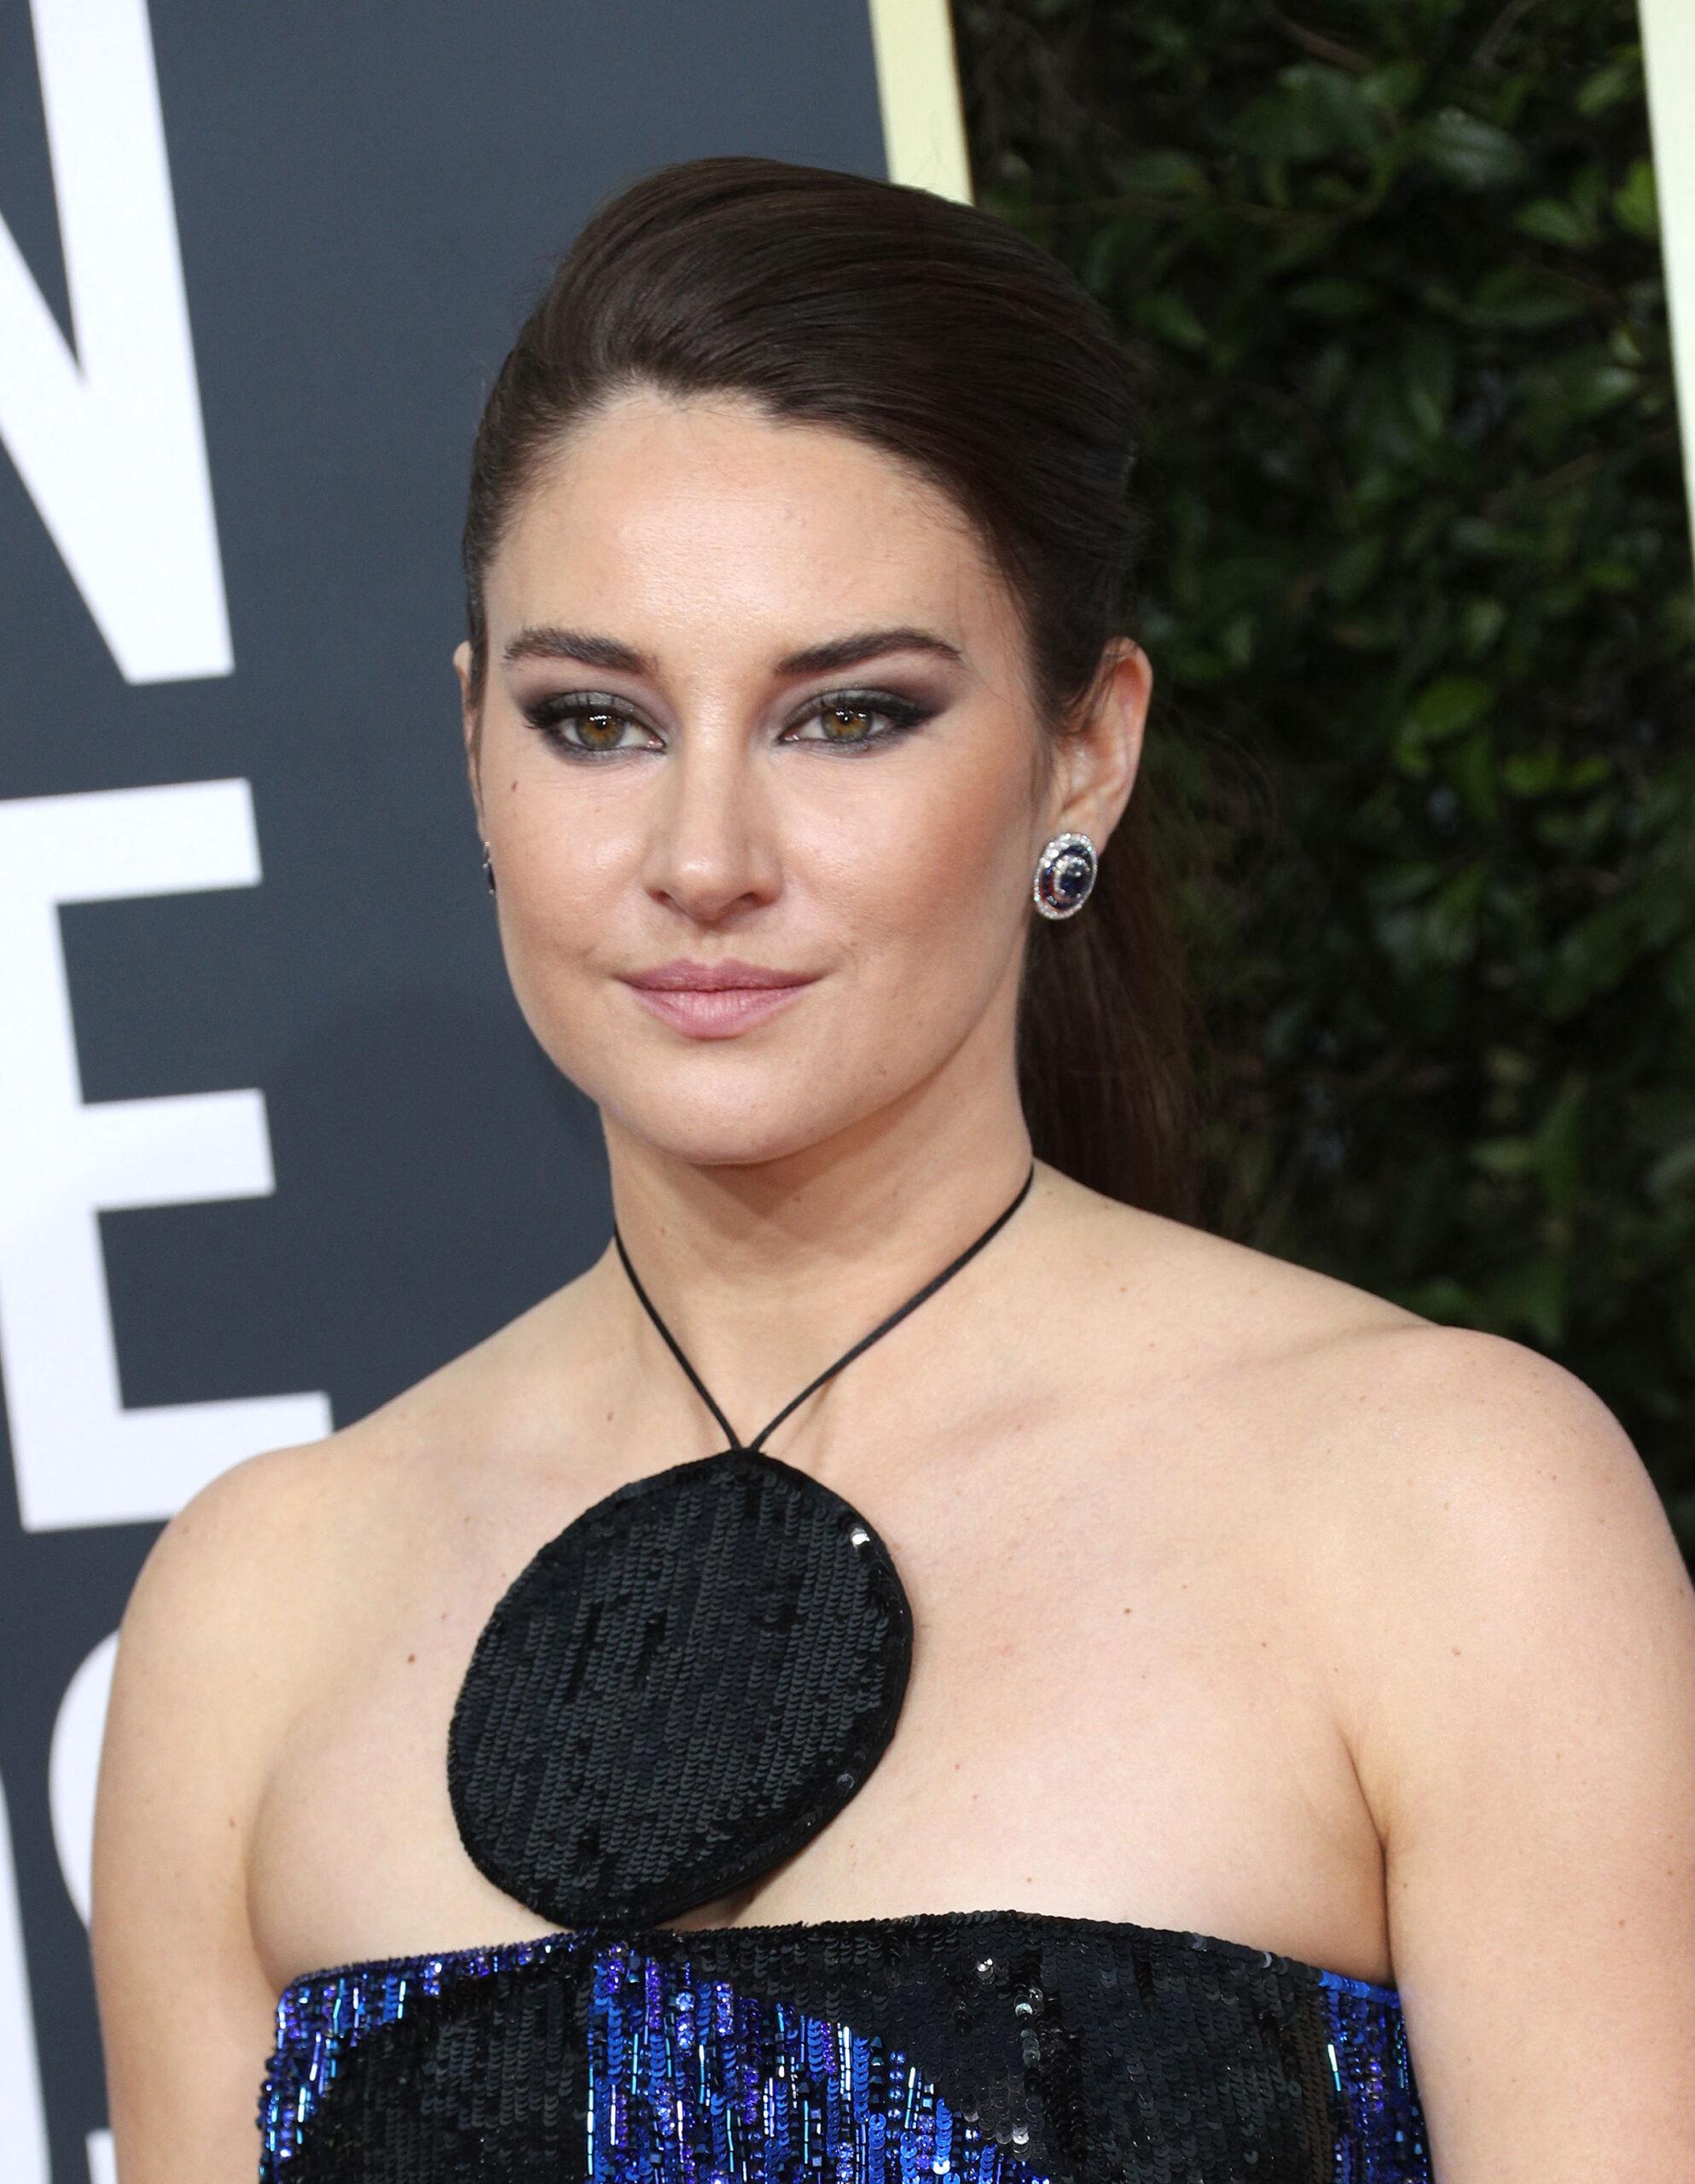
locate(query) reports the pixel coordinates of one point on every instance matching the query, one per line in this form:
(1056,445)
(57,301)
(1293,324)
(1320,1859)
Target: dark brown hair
(936,334)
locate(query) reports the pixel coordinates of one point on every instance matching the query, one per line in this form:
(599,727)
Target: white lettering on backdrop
(109,441)
(80,1457)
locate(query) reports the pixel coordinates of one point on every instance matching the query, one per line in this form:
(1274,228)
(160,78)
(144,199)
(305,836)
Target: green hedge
(1419,602)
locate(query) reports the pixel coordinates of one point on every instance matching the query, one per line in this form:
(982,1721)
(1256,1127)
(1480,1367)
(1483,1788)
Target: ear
(1096,763)
(471,725)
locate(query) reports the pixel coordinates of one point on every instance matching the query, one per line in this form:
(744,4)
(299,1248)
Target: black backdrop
(363,197)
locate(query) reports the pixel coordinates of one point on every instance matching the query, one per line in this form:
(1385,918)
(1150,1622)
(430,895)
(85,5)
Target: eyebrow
(548,641)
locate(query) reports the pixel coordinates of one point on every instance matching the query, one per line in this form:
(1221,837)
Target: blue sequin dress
(1001,2047)
(679,1689)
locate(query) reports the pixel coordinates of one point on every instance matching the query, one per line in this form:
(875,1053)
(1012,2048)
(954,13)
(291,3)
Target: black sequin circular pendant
(677,1691)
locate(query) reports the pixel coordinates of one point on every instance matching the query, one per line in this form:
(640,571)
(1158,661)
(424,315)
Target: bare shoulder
(1507,1631)
(1512,1632)
(240,1555)
(1490,1588)
(270,1554)
(1505,1543)
(1432,1476)
(224,1630)
(243,1614)
(1449,1466)
(252,1591)
(1213,1307)
(1482,1475)
(215,1644)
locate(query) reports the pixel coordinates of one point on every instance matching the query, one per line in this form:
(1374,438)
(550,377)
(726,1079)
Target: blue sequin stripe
(321,2018)
(689,2080)
(1381,2136)
(692,2081)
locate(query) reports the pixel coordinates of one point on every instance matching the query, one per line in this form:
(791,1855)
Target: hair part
(936,334)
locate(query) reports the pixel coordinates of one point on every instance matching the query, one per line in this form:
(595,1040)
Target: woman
(1154,1711)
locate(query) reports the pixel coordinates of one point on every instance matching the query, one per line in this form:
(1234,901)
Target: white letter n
(109,442)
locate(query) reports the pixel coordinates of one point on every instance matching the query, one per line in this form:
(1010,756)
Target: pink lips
(715,1000)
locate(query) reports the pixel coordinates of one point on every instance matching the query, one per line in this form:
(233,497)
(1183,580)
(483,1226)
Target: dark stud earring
(1064,873)
(488,869)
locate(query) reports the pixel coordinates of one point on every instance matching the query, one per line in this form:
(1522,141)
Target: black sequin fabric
(998,2047)
(677,1691)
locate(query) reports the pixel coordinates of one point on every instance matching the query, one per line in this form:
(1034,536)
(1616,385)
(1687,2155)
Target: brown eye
(598,731)
(583,728)
(855,723)
(846,723)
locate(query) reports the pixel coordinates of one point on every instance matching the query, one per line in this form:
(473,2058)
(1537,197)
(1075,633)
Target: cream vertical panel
(1669,47)
(918,88)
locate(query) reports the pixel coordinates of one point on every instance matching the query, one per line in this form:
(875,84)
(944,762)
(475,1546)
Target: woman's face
(755,698)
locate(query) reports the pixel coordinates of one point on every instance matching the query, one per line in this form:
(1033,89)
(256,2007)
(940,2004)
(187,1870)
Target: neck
(766,1271)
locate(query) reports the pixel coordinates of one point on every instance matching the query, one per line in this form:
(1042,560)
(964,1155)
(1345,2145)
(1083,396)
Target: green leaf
(1402,883)
(1481,622)
(1504,1157)
(1469,765)
(1634,204)
(1316,112)
(1471,152)
(1534,772)
(1559,1145)
(1429,370)
(1677,621)
(1593,958)
(1615,80)
(1356,568)
(1534,1296)
(1440,1298)
(1236,640)
(1170,319)
(1550,219)
(1450,922)
(1393,86)
(1523,296)
(1448,705)
(1588,190)
(1547,771)
(1165,174)
(1587,383)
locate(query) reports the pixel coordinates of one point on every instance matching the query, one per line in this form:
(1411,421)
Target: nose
(711,850)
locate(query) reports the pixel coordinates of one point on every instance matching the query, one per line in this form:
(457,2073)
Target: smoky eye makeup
(593,725)
(586,724)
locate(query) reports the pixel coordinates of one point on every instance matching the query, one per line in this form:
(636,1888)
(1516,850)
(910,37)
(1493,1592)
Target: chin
(723,1135)
(733,1125)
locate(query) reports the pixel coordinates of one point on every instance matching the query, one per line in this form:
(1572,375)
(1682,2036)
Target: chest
(1110,1712)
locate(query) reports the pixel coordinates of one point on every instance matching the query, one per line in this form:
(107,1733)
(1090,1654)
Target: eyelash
(548,716)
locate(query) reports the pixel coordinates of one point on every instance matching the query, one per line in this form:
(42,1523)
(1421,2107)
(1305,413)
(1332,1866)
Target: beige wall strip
(918,85)
(1668,50)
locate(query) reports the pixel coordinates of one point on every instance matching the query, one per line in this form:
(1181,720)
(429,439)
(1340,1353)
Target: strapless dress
(998,2047)
(671,1697)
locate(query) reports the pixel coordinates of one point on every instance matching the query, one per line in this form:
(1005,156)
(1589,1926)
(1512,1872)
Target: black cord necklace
(686,1682)
(848,1356)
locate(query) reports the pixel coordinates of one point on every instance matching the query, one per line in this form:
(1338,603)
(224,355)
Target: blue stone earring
(1064,873)
(488,869)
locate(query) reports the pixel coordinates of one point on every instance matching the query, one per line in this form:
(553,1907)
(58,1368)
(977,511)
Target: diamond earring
(1064,873)
(488,869)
